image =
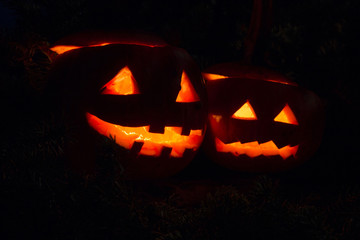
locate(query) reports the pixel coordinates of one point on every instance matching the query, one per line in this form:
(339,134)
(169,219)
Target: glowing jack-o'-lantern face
(124,83)
(149,97)
(259,120)
(254,148)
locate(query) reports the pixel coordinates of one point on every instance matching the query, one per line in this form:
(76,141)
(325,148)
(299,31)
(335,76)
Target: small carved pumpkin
(260,121)
(148,96)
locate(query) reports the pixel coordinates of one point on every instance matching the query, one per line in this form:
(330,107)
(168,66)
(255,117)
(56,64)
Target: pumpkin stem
(260,26)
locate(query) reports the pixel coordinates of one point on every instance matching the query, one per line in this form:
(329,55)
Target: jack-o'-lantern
(260,121)
(147,95)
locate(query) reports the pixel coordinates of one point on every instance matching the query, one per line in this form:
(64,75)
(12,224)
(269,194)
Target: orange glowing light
(282,81)
(215,77)
(60,49)
(153,142)
(245,112)
(187,92)
(286,116)
(217,118)
(254,149)
(123,83)
(212,77)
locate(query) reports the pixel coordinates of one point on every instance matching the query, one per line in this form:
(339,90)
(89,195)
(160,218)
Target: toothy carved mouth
(254,149)
(153,143)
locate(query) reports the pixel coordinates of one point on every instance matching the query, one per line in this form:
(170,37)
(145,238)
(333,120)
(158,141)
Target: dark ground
(314,42)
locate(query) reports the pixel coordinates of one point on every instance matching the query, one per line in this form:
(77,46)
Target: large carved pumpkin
(260,121)
(148,96)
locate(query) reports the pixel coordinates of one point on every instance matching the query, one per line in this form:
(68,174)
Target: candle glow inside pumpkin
(153,143)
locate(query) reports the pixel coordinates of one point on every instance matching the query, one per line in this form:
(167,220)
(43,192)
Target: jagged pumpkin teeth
(254,149)
(153,142)
(268,122)
(147,95)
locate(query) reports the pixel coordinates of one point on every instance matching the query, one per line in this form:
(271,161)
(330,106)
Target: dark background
(314,42)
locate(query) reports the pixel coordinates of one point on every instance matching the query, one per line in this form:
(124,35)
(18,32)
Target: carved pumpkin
(146,95)
(260,121)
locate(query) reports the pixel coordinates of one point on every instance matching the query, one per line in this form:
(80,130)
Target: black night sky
(315,43)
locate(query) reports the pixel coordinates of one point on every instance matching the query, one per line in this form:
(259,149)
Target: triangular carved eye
(245,112)
(187,92)
(286,116)
(123,83)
